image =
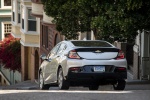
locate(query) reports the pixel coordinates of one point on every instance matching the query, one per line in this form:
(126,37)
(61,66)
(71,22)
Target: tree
(117,18)
(65,16)
(10,53)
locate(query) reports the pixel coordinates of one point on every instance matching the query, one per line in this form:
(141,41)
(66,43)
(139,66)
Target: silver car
(83,63)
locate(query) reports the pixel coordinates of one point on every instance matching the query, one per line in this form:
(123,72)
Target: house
(141,68)
(138,56)
(7,77)
(27,28)
(5,28)
(49,36)
(5,18)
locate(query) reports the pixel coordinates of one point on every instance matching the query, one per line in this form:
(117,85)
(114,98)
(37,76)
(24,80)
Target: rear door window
(91,44)
(54,51)
(62,48)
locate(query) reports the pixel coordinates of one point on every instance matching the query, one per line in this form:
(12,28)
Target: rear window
(91,44)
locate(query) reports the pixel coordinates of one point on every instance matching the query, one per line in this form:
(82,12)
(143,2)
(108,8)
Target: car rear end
(95,64)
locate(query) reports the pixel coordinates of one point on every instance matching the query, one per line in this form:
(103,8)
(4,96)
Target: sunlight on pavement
(61,91)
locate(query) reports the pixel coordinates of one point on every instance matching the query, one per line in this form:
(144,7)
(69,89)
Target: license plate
(99,69)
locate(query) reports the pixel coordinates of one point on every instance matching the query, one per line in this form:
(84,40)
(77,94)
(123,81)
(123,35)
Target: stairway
(3,80)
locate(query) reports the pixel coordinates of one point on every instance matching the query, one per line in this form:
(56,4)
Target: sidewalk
(130,80)
(25,85)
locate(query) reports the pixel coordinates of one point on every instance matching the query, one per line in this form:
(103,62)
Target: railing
(3,77)
(8,77)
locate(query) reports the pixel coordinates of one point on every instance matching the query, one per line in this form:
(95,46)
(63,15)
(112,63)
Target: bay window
(31,21)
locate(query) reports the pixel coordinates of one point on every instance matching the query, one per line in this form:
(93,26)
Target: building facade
(26,27)
(49,36)
(5,18)
(7,77)
(141,68)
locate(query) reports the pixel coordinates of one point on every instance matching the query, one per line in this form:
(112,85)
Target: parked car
(83,63)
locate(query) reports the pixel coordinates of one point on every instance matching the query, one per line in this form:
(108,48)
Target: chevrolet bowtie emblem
(98,51)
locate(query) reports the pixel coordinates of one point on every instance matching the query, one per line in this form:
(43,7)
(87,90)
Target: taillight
(73,54)
(75,69)
(120,55)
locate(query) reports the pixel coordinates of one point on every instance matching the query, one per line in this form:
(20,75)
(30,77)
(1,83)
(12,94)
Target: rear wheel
(120,85)
(62,83)
(42,86)
(93,87)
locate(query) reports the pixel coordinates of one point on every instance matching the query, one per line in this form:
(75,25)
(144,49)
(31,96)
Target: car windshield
(91,44)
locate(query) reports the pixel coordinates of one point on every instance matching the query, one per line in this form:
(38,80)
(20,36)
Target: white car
(83,63)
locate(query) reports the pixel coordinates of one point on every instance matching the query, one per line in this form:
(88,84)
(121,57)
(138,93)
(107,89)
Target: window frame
(3,29)
(22,9)
(13,11)
(3,6)
(45,32)
(18,12)
(28,20)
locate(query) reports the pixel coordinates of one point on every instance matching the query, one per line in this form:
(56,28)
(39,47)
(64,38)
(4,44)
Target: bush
(10,53)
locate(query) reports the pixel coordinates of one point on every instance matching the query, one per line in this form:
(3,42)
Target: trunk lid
(97,53)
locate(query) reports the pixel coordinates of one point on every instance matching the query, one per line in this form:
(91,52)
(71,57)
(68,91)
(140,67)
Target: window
(18,4)
(13,16)
(16,11)
(22,23)
(6,3)
(31,21)
(23,16)
(6,29)
(13,11)
(45,36)
(62,48)
(91,43)
(53,51)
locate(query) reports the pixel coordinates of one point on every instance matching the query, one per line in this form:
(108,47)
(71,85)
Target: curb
(19,88)
(131,81)
(26,85)
(138,82)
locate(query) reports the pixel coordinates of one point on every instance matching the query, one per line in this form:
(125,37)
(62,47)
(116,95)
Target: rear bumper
(84,62)
(95,78)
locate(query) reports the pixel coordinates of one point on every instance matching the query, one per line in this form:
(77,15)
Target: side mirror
(43,57)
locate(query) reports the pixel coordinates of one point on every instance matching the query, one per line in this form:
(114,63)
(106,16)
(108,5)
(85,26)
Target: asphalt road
(133,91)
(74,95)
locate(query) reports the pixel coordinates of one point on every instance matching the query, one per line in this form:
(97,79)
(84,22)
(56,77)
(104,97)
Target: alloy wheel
(60,79)
(62,83)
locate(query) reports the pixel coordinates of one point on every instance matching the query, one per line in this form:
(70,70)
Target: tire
(62,83)
(120,85)
(93,87)
(42,86)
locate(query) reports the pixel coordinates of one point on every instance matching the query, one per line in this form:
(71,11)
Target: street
(136,92)
(27,90)
(74,95)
